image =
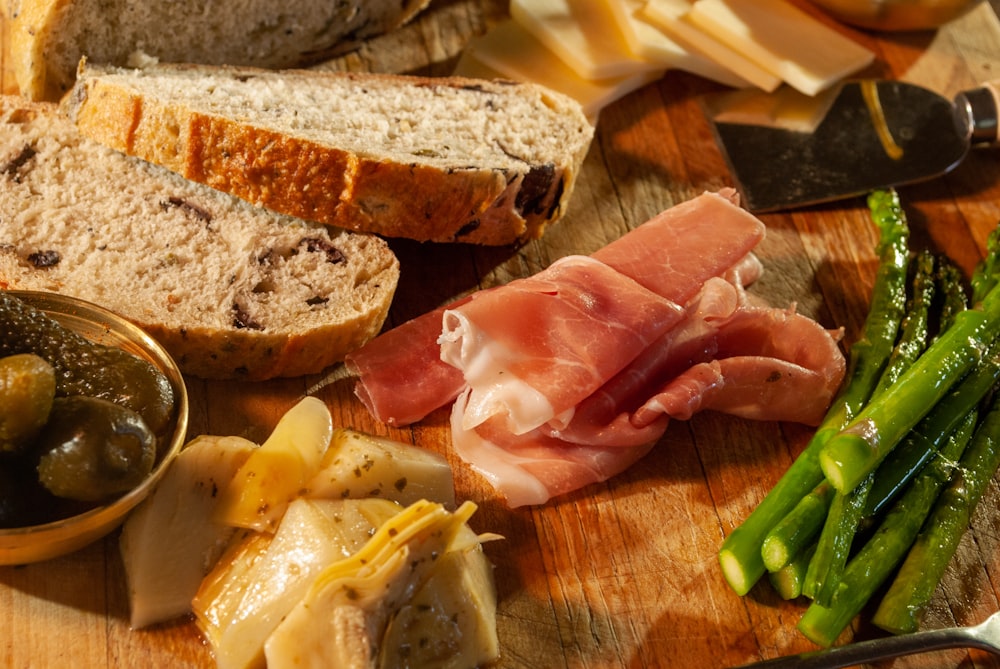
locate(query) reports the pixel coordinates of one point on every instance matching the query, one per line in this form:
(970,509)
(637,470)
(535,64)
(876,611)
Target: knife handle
(979,109)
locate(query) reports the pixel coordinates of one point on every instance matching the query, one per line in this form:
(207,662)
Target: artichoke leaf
(361,465)
(275,473)
(170,541)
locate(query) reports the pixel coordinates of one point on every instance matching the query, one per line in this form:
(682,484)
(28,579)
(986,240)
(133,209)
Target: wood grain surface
(622,574)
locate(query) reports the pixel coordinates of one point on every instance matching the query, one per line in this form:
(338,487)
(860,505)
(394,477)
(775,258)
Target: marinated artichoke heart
(327,540)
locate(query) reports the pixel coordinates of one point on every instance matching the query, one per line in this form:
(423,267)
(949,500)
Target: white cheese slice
(673,17)
(509,50)
(804,52)
(651,43)
(584,34)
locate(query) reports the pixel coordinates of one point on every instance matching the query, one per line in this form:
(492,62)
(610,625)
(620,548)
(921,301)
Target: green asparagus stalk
(926,438)
(932,432)
(788,580)
(953,298)
(846,509)
(848,457)
(797,530)
(834,545)
(882,553)
(904,604)
(914,331)
(740,555)
(987,272)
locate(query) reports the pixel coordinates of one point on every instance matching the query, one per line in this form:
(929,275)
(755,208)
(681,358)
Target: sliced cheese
(584,34)
(513,52)
(673,17)
(785,108)
(651,43)
(781,38)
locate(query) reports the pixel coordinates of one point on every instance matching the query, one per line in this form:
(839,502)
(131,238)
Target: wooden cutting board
(622,574)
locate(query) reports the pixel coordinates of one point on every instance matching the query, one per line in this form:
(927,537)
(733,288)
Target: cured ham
(577,324)
(568,377)
(401,375)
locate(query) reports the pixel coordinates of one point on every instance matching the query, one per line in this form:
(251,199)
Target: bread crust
(30,27)
(364,192)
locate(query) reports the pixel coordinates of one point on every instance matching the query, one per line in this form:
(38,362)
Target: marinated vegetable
(91,449)
(27,388)
(84,367)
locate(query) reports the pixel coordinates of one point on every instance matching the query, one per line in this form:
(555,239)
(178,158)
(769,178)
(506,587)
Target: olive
(27,388)
(91,449)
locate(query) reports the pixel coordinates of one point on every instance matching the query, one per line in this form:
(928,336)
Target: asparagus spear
(987,272)
(835,540)
(788,580)
(740,554)
(914,331)
(848,457)
(797,530)
(905,603)
(881,554)
(919,446)
(953,299)
(847,508)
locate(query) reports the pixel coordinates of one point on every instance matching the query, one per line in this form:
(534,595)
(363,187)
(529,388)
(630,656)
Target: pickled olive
(84,367)
(92,448)
(27,388)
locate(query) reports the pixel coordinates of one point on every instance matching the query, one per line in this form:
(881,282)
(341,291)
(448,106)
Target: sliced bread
(231,290)
(50,36)
(432,159)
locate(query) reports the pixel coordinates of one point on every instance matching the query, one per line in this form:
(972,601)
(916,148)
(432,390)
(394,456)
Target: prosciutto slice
(577,324)
(727,355)
(568,377)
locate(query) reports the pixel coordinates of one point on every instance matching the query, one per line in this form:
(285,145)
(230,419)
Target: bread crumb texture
(231,290)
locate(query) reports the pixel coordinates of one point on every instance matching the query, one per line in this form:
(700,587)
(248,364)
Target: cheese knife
(786,152)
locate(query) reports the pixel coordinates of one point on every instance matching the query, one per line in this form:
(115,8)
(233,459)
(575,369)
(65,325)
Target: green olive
(27,388)
(91,449)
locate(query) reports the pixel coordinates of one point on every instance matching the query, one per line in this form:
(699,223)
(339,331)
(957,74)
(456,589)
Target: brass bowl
(896,15)
(35,543)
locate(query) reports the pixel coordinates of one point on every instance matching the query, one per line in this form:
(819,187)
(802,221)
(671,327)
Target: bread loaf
(50,36)
(431,159)
(231,290)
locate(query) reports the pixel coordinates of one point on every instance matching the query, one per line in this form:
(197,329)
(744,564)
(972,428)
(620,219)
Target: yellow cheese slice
(785,108)
(511,51)
(584,34)
(672,16)
(801,50)
(651,43)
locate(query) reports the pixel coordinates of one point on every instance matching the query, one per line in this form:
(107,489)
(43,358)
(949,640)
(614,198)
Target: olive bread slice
(231,290)
(48,37)
(431,159)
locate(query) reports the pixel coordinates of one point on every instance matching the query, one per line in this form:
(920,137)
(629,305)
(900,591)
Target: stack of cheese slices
(598,50)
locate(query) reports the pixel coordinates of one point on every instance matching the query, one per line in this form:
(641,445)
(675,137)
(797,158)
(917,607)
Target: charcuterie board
(625,573)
